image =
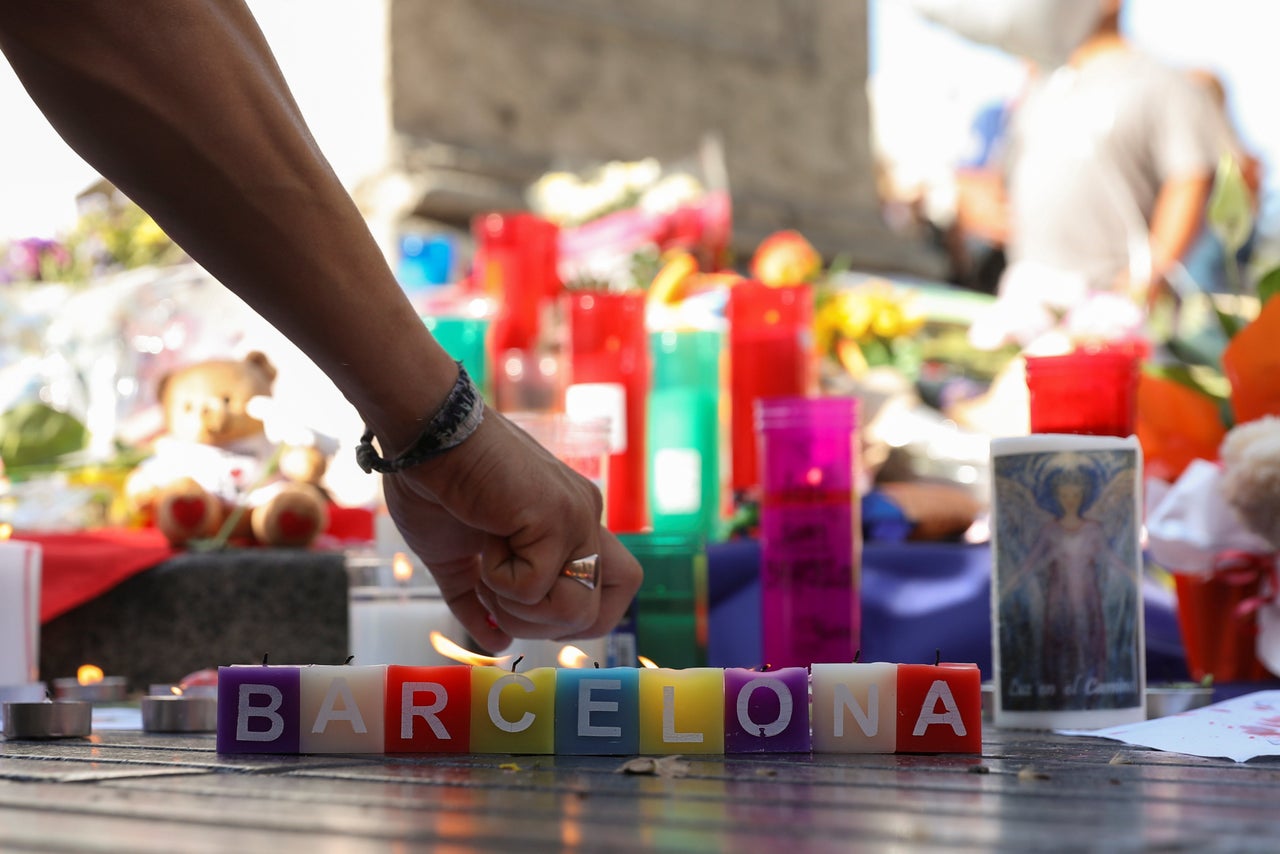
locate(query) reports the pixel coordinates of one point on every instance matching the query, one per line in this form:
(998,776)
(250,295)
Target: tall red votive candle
(608,355)
(770,355)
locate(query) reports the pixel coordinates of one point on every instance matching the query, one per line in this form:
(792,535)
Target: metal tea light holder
(48,719)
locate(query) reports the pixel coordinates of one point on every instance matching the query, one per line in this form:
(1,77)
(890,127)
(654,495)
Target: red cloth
(79,566)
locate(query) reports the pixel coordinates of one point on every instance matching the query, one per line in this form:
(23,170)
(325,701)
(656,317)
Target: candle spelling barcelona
(826,708)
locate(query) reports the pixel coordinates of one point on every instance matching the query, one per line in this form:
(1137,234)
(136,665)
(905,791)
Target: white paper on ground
(1241,729)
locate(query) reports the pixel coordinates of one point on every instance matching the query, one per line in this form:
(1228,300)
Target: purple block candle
(766,712)
(259,709)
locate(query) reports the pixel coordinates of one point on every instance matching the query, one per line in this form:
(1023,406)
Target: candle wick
(516,663)
(350,658)
(264,658)
(937,657)
(857,656)
(597,664)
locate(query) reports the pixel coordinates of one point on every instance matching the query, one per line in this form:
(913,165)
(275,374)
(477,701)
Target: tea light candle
(179,713)
(166,689)
(91,686)
(61,719)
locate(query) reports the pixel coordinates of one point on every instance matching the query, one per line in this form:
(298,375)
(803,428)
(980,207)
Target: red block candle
(939,708)
(428,709)
(770,355)
(609,377)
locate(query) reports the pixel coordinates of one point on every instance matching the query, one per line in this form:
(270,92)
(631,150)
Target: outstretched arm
(181,105)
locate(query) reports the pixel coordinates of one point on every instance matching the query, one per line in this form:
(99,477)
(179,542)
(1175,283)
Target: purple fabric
(917,599)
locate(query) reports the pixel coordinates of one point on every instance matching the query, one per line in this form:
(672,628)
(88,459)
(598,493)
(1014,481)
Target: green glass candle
(684,446)
(671,607)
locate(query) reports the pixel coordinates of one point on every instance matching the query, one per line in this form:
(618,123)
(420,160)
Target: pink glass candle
(810,536)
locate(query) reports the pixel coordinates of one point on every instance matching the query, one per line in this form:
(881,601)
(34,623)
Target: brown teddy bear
(215,462)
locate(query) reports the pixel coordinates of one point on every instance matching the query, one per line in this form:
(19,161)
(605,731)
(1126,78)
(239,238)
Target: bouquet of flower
(1208,429)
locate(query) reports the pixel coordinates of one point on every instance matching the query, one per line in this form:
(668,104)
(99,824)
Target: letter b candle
(810,535)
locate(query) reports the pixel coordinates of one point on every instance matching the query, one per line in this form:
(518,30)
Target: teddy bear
(1250,456)
(215,465)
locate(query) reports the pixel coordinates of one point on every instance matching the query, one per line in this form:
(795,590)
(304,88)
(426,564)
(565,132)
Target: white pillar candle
(1066,593)
(391,616)
(19,612)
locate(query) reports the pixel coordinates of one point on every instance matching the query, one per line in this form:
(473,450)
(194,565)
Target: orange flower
(1175,425)
(1251,363)
(785,258)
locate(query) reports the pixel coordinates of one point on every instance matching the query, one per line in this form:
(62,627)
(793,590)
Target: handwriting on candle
(856,708)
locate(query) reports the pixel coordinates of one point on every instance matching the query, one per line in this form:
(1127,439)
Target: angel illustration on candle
(1067,580)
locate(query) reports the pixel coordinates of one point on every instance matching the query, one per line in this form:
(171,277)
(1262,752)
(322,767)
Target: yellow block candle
(343,709)
(513,712)
(682,711)
(855,707)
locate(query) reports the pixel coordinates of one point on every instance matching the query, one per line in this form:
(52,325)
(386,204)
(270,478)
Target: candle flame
(401,567)
(572,657)
(89,674)
(6,530)
(176,690)
(451,650)
(647,662)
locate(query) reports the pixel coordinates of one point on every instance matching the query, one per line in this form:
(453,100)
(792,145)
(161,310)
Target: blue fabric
(917,599)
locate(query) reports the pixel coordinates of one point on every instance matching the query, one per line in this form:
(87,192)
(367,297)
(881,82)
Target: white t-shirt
(1089,150)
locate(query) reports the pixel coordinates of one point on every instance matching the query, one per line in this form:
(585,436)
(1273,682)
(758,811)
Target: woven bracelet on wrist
(455,420)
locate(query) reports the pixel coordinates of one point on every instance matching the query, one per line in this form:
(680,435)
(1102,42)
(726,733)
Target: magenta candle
(770,355)
(608,353)
(766,712)
(810,535)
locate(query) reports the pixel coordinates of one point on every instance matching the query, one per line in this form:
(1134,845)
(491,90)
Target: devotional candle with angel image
(1066,592)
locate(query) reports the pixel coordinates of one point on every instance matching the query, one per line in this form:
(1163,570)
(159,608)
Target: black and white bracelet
(455,420)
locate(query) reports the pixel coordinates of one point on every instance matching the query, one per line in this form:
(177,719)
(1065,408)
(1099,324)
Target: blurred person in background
(1109,164)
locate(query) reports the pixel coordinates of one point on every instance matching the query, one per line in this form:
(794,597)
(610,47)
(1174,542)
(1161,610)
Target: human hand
(496,519)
